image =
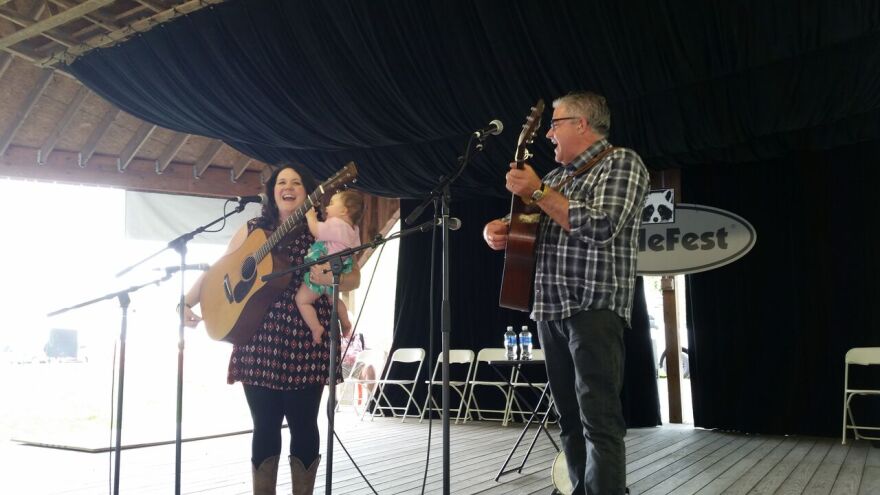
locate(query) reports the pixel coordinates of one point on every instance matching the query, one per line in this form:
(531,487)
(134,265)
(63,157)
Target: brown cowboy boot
(266,476)
(303,479)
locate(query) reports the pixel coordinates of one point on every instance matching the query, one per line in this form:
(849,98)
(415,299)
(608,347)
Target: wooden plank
(134,144)
(95,17)
(69,113)
(802,474)
(63,166)
(871,475)
(699,472)
(823,480)
(728,477)
(59,19)
(709,473)
(25,109)
(850,475)
(753,476)
(170,151)
(673,348)
(205,158)
(92,142)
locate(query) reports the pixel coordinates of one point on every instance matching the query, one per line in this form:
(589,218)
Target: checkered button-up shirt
(593,266)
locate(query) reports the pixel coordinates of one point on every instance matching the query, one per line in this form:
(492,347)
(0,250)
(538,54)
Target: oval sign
(700,239)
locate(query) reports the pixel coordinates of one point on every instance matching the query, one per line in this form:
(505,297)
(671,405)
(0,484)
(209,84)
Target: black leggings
(268,408)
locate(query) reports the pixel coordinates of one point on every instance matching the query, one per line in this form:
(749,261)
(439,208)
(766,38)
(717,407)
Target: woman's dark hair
(270,209)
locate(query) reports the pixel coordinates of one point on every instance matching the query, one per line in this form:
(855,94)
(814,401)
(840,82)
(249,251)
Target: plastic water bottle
(510,342)
(525,343)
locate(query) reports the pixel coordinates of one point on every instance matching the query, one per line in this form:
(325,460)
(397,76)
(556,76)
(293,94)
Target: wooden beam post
(239,166)
(134,144)
(25,109)
(170,151)
(61,126)
(92,142)
(206,157)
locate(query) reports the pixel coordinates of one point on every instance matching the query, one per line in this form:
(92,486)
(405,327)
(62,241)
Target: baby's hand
(311,214)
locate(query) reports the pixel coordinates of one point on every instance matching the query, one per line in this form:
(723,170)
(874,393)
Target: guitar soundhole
(248,268)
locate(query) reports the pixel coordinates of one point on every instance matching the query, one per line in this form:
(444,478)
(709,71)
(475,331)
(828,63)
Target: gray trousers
(584,359)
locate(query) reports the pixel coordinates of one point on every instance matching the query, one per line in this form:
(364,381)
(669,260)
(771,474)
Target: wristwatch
(539,193)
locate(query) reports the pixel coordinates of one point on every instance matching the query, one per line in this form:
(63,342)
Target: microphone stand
(179,245)
(124,300)
(336,261)
(442,195)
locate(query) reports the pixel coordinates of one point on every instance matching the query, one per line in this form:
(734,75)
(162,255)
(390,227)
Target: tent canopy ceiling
(398,86)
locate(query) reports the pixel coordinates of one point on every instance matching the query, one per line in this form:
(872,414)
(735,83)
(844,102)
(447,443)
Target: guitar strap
(585,167)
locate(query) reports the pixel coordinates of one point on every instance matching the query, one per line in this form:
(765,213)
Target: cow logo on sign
(659,207)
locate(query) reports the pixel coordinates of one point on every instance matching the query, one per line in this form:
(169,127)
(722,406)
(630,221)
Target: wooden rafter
(170,151)
(95,17)
(52,22)
(134,144)
(206,157)
(69,55)
(5,60)
(239,166)
(63,166)
(92,143)
(69,113)
(4,2)
(151,5)
(53,34)
(25,109)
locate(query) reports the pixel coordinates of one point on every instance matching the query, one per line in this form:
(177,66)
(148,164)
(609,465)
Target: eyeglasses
(554,123)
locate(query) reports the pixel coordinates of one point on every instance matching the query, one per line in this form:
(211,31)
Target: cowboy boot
(303,479)
(266,476)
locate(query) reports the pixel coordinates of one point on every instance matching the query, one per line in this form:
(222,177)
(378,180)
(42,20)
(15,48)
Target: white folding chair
(479,379)
(403,357)
(355,384)
(862,356)
(458,358)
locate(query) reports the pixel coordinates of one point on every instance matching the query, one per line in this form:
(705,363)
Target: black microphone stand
(179,245)
(124,301)
(336,262)
(441,197)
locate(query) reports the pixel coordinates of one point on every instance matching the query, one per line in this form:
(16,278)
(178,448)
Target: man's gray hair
(590,106)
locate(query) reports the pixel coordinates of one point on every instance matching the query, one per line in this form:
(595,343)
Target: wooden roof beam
(25,109)
(134,144)
(239,166)
(170,151)
(150,5)
(5,60)
(96,18)
(53,34)
(69,55)
(63,166)
(69,113)
(206,158)
(52,22)
(92,142)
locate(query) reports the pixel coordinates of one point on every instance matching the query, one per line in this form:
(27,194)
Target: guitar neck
(296,218)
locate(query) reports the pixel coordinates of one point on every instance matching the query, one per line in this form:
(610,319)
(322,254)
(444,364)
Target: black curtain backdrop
(397,85)
(757,101)
(768,333)
(478,321)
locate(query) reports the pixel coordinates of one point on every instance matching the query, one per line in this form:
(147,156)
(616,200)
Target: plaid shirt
(594,265)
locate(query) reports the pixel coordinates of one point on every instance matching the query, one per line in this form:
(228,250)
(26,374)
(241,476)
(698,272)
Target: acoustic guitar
(233,296)
(519,257)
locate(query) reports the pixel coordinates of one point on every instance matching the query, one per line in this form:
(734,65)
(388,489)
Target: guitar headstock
(527,136)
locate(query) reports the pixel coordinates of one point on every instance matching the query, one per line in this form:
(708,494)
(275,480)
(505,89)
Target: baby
(339,232)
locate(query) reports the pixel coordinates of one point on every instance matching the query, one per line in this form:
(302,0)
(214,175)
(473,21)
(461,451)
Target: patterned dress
(281,354)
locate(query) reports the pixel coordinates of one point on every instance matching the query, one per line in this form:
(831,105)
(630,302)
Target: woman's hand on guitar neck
(495,234)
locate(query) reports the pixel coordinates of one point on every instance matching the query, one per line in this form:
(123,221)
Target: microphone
(494,128)
(257,198)
(454,224)
(176,268)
